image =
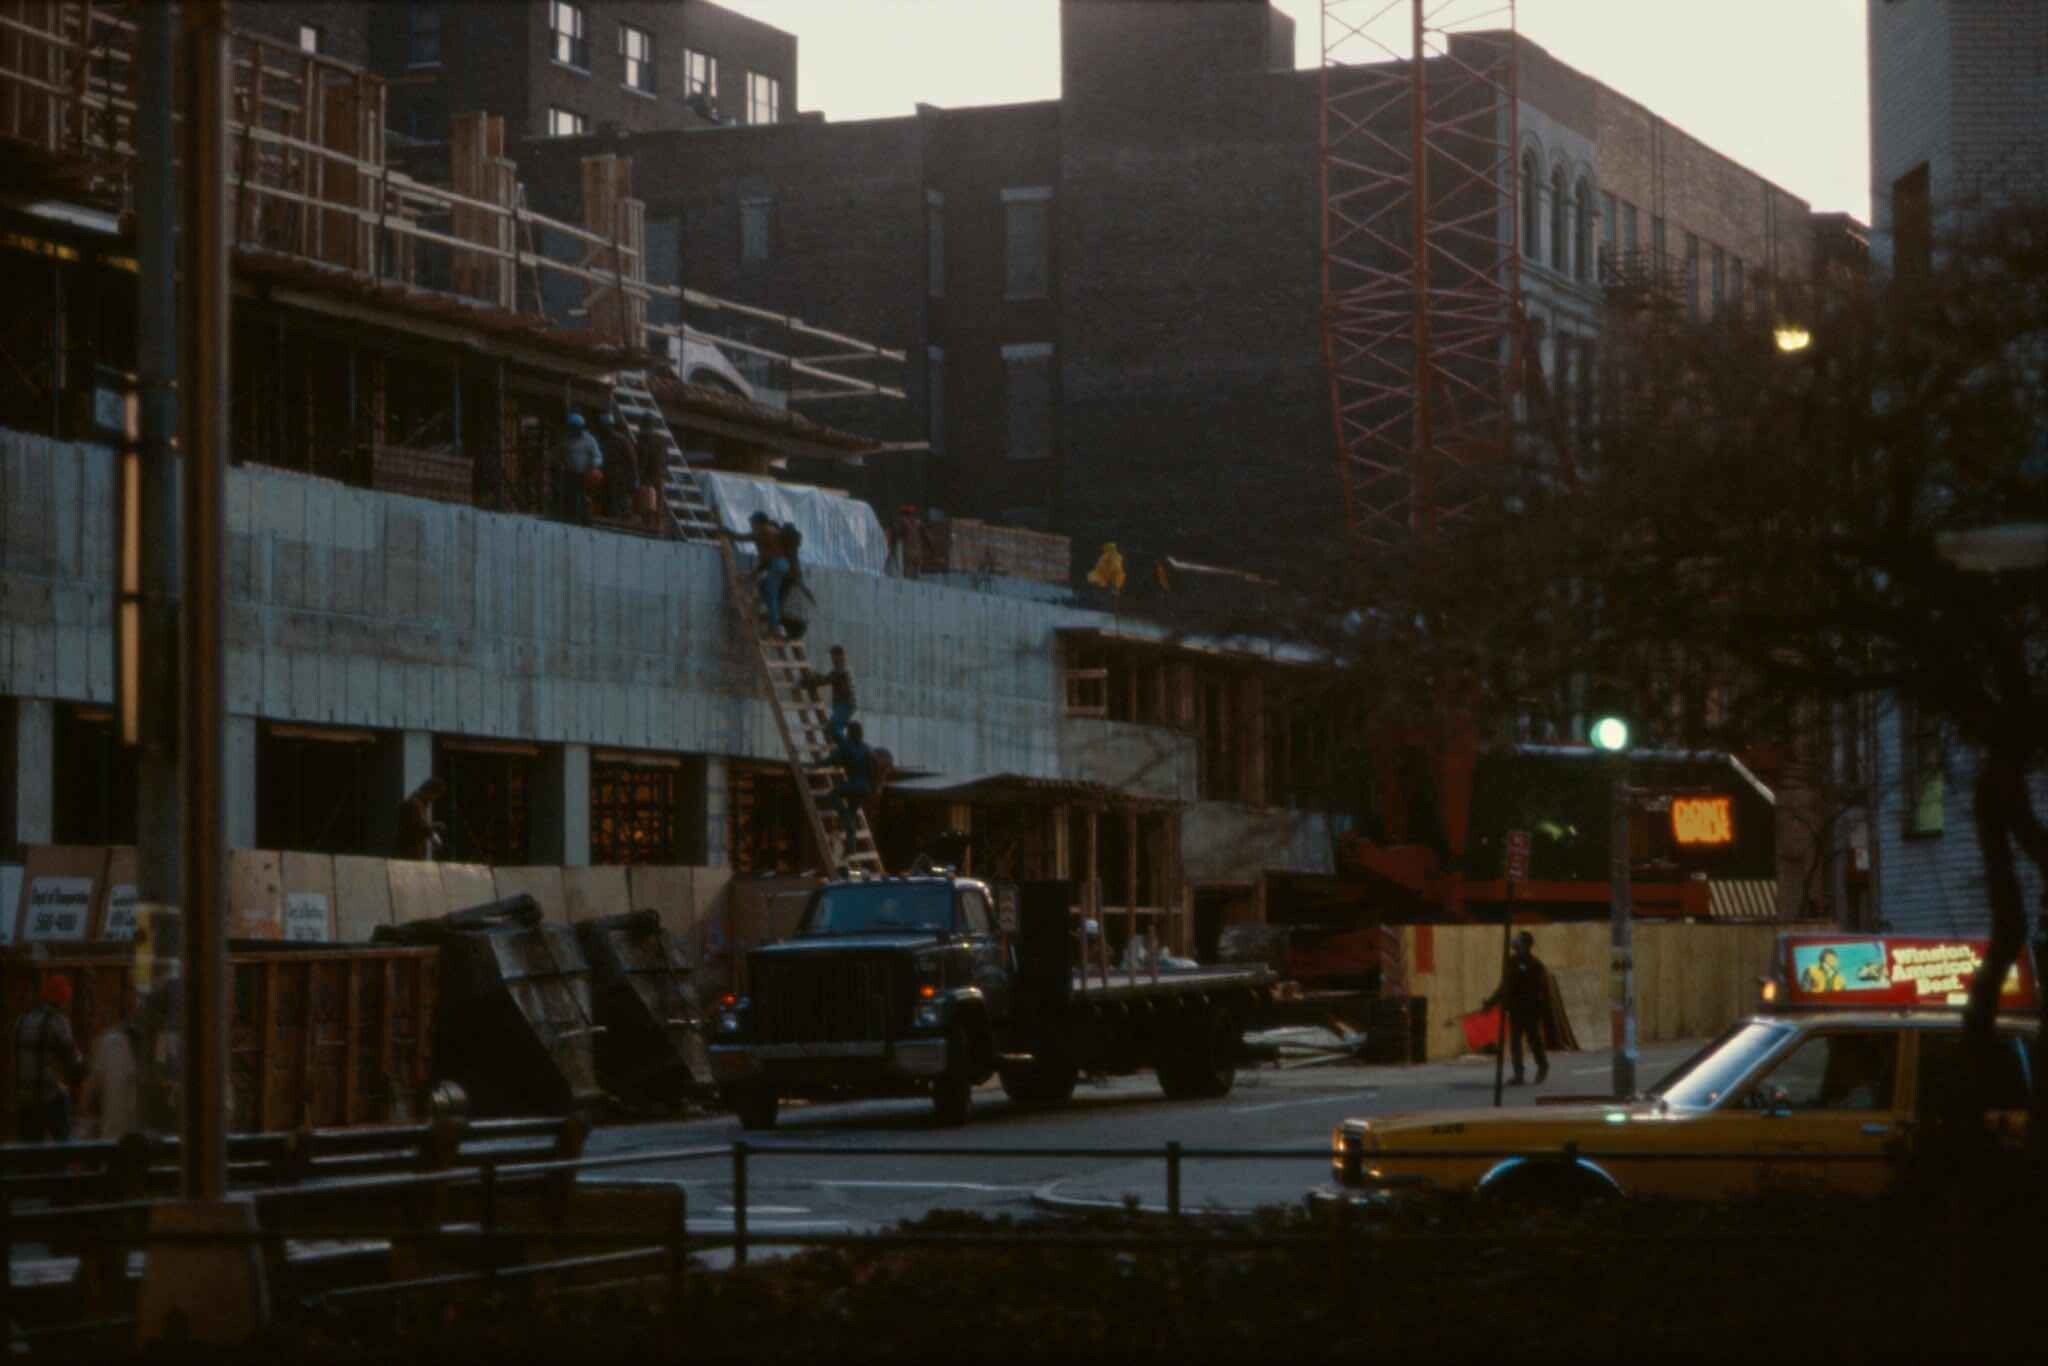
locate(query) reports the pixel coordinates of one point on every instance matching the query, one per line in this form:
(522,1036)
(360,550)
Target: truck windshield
(1703,1079)
(880,908)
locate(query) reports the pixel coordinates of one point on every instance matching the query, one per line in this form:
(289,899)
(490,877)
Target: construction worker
(771,567)
(46,1063)
(621,467)
(841,681)
(856,762)
(581,457)
(420,836)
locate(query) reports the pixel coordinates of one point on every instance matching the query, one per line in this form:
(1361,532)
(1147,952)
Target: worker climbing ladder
(781,664)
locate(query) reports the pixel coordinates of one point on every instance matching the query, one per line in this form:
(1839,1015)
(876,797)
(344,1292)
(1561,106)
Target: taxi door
(1831,1116)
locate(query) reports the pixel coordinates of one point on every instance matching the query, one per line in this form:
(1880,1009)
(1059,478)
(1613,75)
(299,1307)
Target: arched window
(1532,213)
(1582,231)
(1560,225)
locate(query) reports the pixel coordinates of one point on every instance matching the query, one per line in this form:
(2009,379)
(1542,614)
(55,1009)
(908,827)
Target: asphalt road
(840,1191)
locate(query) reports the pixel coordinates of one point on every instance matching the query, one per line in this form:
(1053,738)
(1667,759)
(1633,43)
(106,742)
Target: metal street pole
(156,700)
(203,371)
(1622,946)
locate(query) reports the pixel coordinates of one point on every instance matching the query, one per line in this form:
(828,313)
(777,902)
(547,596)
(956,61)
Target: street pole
(1500,1047)
(156,702)
(203,371)
(1622,945)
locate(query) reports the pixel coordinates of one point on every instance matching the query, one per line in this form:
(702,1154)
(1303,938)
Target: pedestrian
(856,764)
(110,1102)
(420,836)
(841,681)
(581,458)
(46,1063)
(1525,991)
(621,467)
(771,568)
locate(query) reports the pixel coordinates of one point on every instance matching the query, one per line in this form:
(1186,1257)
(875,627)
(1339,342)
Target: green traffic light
(1611,734)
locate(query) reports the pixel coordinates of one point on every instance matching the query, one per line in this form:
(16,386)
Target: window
(1692,276)
(1920,744)
(92,781)
(1560,224)
(757,213)
(1943,1072)
(1735,284)
(1027,394)
(314,789)
(566,123)
(1833,1072)
(489,806)
(309,38)
(1609,224)
(636,46)
(569,43)
(423,34)
(1718,289)
(1027,275)
(975,912)
(700,74)
(1657,243)
(1628,227)
(764,98)
(934,244)
(935,397)
(1532,208)
(1582,232)
(1585,395)
(633,806)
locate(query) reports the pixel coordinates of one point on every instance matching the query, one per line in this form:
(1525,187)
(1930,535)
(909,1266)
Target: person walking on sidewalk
(841,681)
(1525,990)
(46,1062)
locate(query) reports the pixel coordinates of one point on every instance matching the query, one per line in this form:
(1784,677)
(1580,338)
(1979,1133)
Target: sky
(1779,85)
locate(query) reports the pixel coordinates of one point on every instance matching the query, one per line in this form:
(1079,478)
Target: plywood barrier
(1692,979)
(362,897)
(590,893)
(543,884)
(415,890)
(666,891)
(255,894)
(309,897)
(467,884)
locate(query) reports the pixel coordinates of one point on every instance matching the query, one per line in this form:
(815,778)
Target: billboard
(1892,970)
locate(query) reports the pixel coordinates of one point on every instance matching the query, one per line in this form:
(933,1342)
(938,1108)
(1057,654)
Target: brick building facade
(560,67)
(1110,301)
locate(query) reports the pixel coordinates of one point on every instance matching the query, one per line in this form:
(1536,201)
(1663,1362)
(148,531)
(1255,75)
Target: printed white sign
(10,900)
(305,917)
(58,908)
(119,926)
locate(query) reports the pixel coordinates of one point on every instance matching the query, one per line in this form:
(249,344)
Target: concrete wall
(1225,842)
(1692,980)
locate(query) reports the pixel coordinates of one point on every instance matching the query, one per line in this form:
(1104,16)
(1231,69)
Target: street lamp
(1610,733)
(1791,338)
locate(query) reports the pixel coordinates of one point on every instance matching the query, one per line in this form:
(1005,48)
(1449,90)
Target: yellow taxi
(1812,1098)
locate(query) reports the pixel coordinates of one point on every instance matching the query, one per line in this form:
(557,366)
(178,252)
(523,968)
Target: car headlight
(728,1022)
(930,1015)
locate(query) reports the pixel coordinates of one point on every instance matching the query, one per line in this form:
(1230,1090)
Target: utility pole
(154,704)
(1610,733)
(206,78)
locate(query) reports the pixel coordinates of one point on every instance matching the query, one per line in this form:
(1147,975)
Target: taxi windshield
(880,909)
(1703,1079)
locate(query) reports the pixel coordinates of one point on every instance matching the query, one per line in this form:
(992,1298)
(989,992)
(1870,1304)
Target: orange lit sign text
(1703,820)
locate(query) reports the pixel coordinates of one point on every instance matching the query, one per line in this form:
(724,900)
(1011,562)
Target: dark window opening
(313,790)
(768,823)
(94,780)
(1913,223)
(489,806)
(634,807)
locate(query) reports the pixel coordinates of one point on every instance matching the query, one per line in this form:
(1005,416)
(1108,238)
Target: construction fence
(1692,978)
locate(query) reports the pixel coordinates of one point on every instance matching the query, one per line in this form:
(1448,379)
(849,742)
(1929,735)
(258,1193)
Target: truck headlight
(930,1015)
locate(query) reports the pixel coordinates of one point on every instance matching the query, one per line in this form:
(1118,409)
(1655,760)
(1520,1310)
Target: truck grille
(831,999)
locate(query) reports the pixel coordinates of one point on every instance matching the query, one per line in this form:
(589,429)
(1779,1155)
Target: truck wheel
(756,1107)
(1045,1080)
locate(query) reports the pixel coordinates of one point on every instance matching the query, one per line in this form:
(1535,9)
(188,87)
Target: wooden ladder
(780,665)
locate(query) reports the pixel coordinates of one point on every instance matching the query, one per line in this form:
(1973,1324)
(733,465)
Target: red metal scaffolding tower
(1421,282)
